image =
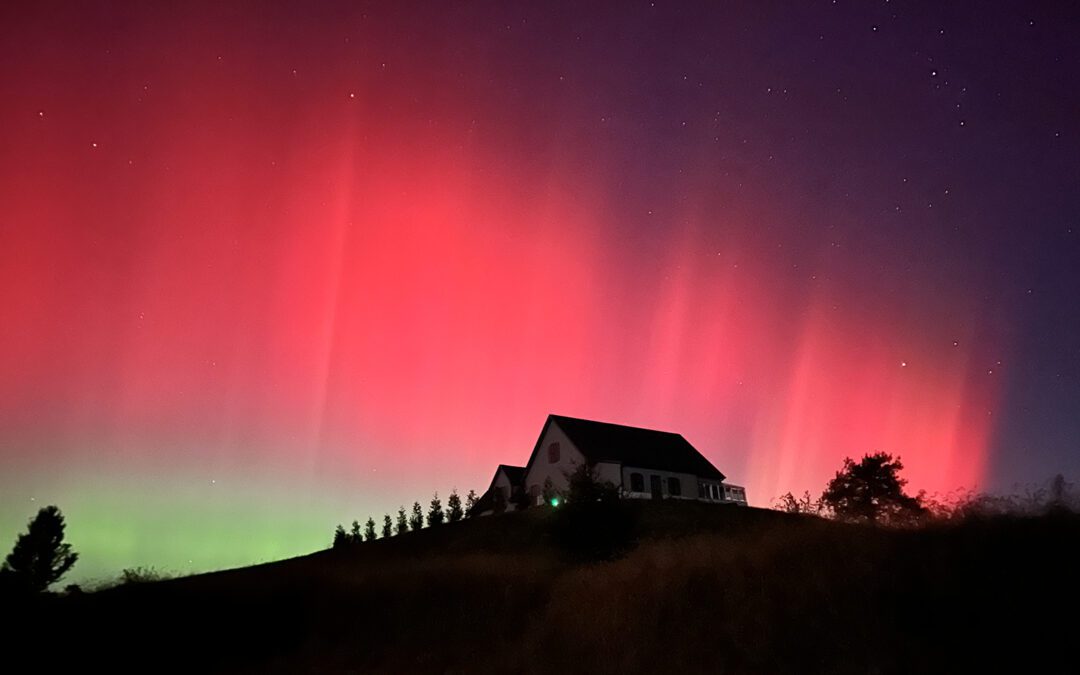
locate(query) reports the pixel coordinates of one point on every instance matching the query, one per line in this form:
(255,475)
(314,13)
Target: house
(642,463)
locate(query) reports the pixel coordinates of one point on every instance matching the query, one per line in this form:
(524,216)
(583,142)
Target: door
(656,487)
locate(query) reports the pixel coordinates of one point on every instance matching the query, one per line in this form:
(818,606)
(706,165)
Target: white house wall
(502,483)
(570,458)
(687,481)
(610,472)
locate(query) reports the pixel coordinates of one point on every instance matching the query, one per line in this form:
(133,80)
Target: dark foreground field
(707,589)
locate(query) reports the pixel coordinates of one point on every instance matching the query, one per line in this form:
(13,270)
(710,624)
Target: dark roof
(515,474)
(634,447)
(485,503)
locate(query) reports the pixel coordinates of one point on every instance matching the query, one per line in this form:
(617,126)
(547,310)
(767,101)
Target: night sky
(266,268)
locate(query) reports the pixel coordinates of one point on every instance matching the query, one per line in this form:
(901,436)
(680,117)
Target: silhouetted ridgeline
(707,589)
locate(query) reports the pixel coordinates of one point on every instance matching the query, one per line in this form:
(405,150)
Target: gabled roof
(632,446)
(515,474)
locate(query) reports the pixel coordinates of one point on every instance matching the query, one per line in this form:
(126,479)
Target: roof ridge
(614,424)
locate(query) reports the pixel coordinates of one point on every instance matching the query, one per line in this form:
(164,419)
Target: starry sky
(267,267)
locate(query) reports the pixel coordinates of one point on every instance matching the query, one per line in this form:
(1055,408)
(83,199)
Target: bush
(142,575)
(593,524)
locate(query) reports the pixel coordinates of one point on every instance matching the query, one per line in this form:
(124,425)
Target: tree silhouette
(1060,495)
(453,507)
(369,530)
(341,538)
(871,491)
(584,485)
(416,521)
(402,525)
(594,524)
(435,514)
(470,501)
(40,556)
(355,536)
(387,527)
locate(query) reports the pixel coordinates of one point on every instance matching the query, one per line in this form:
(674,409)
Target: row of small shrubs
(410,521)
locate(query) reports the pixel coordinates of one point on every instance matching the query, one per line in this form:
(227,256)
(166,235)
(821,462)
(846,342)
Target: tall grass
(707,589)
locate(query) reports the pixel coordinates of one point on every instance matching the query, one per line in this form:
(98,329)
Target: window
(553,453)
(714,491)
(674,487)
(701,490)
(637,482)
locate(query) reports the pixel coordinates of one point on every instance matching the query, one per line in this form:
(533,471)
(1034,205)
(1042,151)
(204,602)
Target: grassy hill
(707,589)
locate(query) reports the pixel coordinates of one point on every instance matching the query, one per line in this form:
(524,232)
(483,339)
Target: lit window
(674,487)
(637,482)
(713,488)
(553,453)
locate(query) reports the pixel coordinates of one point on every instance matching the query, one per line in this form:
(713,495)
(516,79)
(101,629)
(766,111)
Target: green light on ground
(555,501)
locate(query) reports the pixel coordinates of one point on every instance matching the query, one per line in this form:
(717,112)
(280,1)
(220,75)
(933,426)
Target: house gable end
(539,468)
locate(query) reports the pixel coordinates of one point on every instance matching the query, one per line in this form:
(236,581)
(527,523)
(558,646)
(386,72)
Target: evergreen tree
(585,486)
(453,507)
(40,557)
(416,521)
(369,530)
(594,524)
(387,527)
(355,536)
(341,538)
(402,525)
(470,501)
(872,491)
(435,514)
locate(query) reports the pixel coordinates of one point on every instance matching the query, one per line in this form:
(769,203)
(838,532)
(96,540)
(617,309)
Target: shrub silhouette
(453,507)
(872,491)
(805,504)
(40,556)
(416,520)
(435,513)
(141,575)
(593,523)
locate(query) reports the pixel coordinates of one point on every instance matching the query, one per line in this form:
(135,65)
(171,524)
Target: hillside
(708,588)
